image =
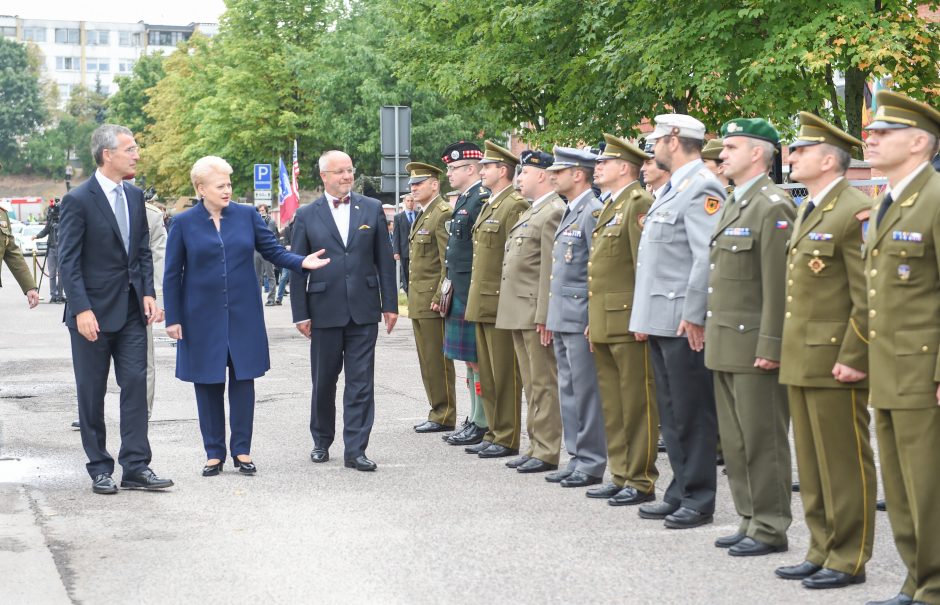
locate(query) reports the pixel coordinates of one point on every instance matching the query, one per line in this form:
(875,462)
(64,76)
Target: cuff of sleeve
(695,306)
(768,347)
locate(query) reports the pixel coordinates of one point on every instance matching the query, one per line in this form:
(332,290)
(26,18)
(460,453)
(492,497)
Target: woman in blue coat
(211,295)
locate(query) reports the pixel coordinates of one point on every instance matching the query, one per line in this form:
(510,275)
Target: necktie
(884,208)
(810,204)
(411,217)
(120,213)
(339,201)
(567,212)
(668,187)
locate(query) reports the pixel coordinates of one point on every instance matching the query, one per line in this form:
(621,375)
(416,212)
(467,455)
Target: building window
(68,63)
(125,66)
(158,38)
(34,34)
(65,91)
(101,66)
(8,32)
(128,38)
(67,36)
(97,37)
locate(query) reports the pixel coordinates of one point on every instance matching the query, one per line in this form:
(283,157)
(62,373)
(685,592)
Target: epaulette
(637,193)
(444,207)
(773,197)
(863,215)
(484,192)
(596,213)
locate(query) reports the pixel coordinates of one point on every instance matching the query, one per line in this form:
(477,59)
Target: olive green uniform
(903,269)
(745,321)
(427,245)
(13,256)
(824,324)
(624,371)
(500,380)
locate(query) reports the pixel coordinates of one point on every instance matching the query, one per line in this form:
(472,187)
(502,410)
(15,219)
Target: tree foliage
(126,106)
(22,107)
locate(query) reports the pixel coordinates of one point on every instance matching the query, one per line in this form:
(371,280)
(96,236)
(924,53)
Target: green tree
(22,108)
(126,106)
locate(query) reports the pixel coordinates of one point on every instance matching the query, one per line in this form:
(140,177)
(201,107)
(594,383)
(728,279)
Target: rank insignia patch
(712,205)
(816,265)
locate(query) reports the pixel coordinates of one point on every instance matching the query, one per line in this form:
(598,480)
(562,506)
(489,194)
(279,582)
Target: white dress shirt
(110,191)
(340,215)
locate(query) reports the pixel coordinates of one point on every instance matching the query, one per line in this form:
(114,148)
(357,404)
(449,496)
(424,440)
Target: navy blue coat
(359,283)
(210,288)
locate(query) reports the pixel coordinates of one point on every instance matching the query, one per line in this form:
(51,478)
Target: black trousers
(92,364)
(404,273)
(685,397)
(350,349)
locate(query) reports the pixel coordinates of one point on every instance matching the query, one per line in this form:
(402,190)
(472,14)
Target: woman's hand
(175,332)
(313,261)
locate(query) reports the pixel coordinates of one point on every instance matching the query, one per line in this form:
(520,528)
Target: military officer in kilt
(742,334)
(902,261)
(824,359)
(500,380)
(523,307)
(581,414)
(427,245)
(624,372)
(463,171)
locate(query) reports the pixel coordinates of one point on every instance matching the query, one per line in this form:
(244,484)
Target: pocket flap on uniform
(905,249)
(489,227)
(316,286)
(668,289)
(372,281)
(736,244)
(573,292)
(618,301)
(739,324)
(825,332)
(422,239)
(917,342)
(820,248)
(490,288)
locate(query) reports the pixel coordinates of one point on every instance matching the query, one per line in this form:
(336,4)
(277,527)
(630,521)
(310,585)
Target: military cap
(420,172)
(535,158)
(815,130)
(677,124)
(712,150)
(494,153)
(616,148)
(899,111)
(754,128)
(569,157)
(461,150)
(648,148)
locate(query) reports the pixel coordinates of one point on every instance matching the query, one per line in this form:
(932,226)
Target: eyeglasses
(131,149)
(452,167)
(349,171)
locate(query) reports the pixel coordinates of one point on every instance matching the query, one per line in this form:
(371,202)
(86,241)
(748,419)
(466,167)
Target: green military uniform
(500,381)
(427,244)
(624,371)
(523,303)
(13,256)
(903,269)
(824,324)
(744,322)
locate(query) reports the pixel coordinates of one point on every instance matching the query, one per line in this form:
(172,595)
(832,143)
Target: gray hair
(205,166)
(843,159)
(106,137)
(766,147)
(327,156)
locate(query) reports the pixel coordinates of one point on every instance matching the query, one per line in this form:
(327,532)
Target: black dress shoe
(795,486)
(719,460)
(245,468)
(103,484)
(472,436)
(630,495)
(660,510)
(361,463)
(211,470)
(431,427)
(76,425)
(729,540)
(830,578)
(797,572)
(686,518)
(517,462)
(496,450)
(749,547)
(882,506)
(558,476)
(320,454)
(145,479)
(661,446)
(534,465)
(899,599)
(607,490)
(579,479)
(479,447)
(460,431)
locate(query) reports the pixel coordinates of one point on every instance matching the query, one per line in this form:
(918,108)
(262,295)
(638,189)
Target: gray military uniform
(581,414)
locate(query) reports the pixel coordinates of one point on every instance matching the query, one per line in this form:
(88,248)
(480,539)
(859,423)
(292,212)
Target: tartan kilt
(460,336)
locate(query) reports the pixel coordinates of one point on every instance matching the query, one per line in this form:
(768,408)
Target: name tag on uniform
(576,233)
(491,221)
(738,231)
(819,237)
(906,236)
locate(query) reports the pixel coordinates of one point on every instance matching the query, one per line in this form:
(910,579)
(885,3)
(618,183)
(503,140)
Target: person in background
(400,233)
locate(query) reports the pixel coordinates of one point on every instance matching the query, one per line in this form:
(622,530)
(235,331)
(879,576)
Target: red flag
(291,202)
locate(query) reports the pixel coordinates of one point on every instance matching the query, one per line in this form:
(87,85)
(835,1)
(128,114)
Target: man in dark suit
(401,230)
(338,308)
(107,272)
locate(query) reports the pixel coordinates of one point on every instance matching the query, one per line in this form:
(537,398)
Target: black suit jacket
(95,270)
(401,229)
(359,283)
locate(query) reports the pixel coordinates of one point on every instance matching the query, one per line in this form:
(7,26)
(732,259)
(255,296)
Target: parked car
(27,244)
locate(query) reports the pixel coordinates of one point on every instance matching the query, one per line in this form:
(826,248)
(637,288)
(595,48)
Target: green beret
(712,150)
(815,130)
(899,111)
(756,128)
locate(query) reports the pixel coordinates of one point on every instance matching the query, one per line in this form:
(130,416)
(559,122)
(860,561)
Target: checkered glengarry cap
(461,150)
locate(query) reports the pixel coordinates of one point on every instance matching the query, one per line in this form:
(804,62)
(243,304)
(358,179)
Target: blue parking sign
(263,177)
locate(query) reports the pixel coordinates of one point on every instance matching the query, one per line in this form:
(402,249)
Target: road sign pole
(397,183)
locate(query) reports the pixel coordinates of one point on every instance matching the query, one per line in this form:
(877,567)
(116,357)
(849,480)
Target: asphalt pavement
(431,525)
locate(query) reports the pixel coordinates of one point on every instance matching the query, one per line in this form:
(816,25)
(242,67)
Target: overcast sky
(163,12)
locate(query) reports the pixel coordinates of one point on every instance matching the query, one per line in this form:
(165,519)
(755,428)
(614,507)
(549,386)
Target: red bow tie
(342,200)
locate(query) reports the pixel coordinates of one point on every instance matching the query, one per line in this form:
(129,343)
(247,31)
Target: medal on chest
(569,253)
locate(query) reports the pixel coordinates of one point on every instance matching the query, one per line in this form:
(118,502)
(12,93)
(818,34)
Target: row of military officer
(601,312)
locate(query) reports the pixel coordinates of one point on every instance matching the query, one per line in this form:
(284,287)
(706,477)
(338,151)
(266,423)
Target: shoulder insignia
(596,213)
(774,197)
(712,205)
(910,201)
(484,192)
(618,206)
(863,215)
(683,185)
(641,219)
(636,193)
(444,207)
